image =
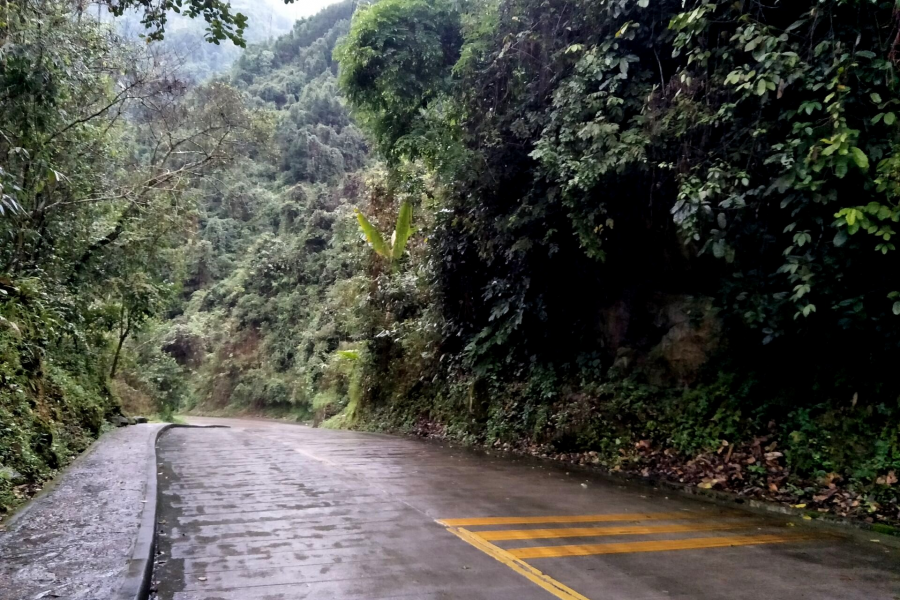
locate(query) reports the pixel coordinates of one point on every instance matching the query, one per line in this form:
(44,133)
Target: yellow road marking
(567,519)
(533,534)
(548,583)
(654,546)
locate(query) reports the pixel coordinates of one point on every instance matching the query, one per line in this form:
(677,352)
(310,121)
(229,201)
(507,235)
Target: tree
(394,62)
(131,303)
(181,136)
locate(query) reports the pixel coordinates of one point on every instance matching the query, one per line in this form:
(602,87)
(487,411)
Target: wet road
(271,511)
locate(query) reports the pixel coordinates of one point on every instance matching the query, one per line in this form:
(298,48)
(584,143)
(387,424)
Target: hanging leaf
(860,158)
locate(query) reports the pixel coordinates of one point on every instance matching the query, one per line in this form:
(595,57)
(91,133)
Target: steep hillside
(274,269)
(103,143)
(660,232)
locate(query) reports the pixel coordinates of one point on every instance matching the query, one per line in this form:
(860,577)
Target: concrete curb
(730,500)
(806,518)
(140,566)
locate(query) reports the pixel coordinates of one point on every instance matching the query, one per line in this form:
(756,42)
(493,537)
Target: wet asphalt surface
(272,511)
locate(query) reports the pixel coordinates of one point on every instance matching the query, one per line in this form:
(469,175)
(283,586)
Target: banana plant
(394,250)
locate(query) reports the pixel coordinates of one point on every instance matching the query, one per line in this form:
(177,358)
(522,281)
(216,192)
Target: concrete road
(270,511)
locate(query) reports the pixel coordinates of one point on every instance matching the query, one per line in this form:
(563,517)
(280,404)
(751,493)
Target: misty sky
(300,8)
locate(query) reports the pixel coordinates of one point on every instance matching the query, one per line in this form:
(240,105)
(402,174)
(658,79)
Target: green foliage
(184,36)
(151,370)
(338,404)
(53,399)
(402,232)
(591,165)
(373,236)
(395,61)
(752,139)
(273,286)
(100,147)
(221,23)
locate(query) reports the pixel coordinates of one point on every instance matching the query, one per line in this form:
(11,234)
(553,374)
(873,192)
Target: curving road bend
(272,511)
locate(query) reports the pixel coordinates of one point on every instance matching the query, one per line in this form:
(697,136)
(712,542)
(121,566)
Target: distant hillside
(270,292)
(185,37)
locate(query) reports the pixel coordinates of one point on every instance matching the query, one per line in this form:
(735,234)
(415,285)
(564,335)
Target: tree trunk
(111,237)
(122,337)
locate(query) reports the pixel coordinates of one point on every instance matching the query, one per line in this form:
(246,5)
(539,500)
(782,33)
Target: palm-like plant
(402,232)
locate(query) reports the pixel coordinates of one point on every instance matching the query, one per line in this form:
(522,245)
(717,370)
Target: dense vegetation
(657,231)
(102,146)
(655,236)
(273,279)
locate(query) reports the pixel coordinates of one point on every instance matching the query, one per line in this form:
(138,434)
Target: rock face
(118,421)
(671,336)
(692,334)
(186,347)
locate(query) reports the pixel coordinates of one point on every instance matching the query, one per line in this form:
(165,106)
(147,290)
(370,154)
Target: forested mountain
(159,225)
(274,269)
(652,236)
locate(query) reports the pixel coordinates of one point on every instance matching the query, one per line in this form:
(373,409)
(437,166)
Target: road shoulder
(77,540)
